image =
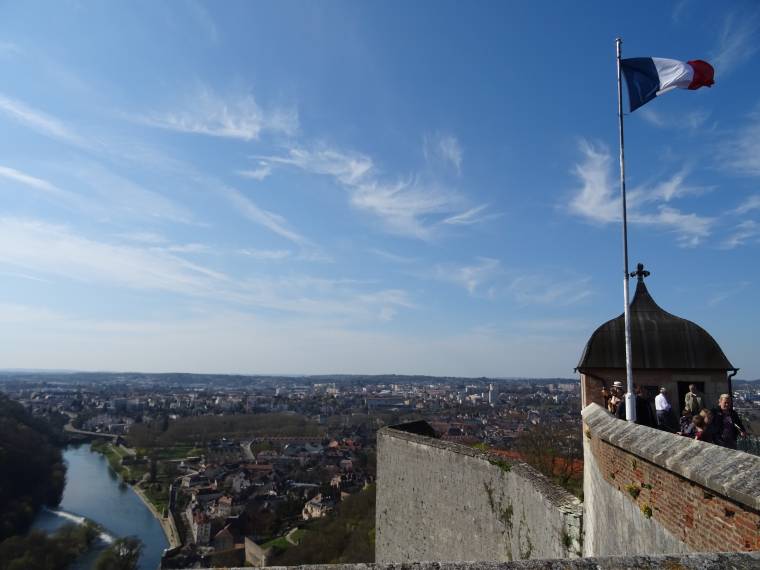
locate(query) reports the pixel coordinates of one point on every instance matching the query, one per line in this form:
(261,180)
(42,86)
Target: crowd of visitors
(721,425)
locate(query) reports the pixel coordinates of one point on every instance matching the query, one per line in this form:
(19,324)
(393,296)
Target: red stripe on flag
(704,74)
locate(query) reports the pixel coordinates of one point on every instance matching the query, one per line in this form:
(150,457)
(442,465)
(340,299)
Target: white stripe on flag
(673,73)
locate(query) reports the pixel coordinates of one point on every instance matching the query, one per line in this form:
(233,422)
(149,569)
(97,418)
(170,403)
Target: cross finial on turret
(640,273)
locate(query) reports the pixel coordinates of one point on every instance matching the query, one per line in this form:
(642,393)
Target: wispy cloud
(471,216)
(38,250)
(53,250)
(348,168)
(111,193)
(597,199)
(270,220)
(262,171)
(750,204)
(726,292)
(115,149)
(33,182)
(472,277)
(24,276)
(444,147)
(186,248)
(743,232)
(40,122)
(673,188)
(334,298)
(737,42)
(266,254)
(541,290)
(408,206)
(151,238)
(236,116)
(101,193)
(690,229)
(395,258)
(691,120)
(740,150)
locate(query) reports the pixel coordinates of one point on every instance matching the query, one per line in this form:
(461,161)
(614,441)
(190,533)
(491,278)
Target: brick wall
(706,522)
(674,494)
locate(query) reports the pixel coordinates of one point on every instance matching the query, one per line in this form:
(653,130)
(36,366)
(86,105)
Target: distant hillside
(181,378)
(32,472)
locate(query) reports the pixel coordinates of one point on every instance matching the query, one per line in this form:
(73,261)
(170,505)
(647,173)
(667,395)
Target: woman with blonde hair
(727,425)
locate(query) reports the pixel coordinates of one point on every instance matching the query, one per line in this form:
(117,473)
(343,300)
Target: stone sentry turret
(667,351)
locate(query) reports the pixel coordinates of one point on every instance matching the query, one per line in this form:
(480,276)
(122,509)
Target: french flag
(648,77)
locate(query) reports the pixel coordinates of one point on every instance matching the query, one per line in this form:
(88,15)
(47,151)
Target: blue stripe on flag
(642,80)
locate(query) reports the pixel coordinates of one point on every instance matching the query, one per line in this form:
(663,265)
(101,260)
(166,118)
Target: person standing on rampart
(644,414)
(616,399)
(693,400)
(727,425)
(662,408)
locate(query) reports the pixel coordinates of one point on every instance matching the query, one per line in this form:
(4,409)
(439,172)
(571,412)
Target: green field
(281,543)
(114,456)
(172,452)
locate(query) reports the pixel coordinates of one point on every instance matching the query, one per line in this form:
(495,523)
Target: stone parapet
(649,491)
(733,474)
(438,500)
(712,561)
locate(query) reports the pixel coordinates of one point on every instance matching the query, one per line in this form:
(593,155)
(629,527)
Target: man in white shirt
(662,407)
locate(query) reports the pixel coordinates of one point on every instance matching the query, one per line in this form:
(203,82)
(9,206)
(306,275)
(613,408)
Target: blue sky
(408,187)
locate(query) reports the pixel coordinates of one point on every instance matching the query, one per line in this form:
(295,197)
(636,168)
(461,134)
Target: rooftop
(659,340)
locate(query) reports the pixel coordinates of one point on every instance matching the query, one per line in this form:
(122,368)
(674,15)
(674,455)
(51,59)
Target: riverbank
(95,491)
(114,458)
(167,524)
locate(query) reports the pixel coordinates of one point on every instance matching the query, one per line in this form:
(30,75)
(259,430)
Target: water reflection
(93,490)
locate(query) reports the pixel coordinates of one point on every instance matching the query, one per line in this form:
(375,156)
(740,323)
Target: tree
(345,536)
(46,552)
(555,449)
(33,472)
(123,554)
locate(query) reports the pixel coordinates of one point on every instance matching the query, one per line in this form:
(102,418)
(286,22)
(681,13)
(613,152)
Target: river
(94,491)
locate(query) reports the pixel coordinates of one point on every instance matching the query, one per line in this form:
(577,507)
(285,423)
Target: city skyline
(353,188)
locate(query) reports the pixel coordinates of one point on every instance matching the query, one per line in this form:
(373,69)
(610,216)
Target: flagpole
(630,398)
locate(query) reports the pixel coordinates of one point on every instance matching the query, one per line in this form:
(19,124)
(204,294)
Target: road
(246,447)
(71,429)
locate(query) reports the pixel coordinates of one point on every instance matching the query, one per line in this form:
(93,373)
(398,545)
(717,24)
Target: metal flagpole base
(630,407)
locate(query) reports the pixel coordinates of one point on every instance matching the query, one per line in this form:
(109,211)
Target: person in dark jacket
(726,424)
(708,433)
(644,414)
(685,423)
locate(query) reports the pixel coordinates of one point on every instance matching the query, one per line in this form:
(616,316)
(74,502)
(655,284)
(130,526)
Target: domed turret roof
(659,340)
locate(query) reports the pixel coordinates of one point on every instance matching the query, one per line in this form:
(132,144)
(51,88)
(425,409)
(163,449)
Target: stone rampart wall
(438,500)
(648,491)
(732,561)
